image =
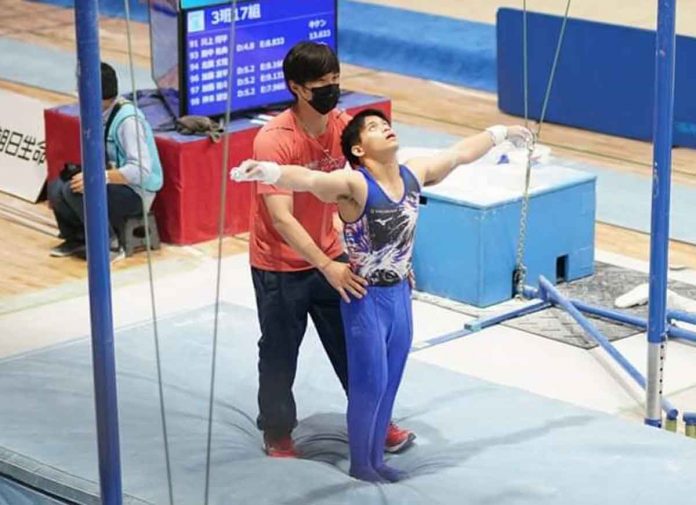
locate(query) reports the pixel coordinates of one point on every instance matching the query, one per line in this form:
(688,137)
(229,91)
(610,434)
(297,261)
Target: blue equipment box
(467,233)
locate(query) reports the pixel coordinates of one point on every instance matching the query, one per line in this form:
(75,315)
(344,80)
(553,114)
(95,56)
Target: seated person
(133,173)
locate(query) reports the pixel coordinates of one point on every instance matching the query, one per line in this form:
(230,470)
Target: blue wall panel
(605,76)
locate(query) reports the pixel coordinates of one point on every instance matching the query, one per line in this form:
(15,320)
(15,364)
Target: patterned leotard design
(380,242)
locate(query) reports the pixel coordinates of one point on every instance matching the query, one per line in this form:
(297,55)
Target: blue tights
(379,331)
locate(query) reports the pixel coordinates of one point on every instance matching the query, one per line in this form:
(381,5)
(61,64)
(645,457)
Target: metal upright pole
(659,226)
(96,227)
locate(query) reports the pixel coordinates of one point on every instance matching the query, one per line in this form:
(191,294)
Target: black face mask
(325,98)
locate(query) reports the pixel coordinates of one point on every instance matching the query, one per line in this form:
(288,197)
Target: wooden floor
(24,257)
(25,265)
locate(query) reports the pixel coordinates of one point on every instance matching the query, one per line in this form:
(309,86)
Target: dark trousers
(68,208)
(284,300)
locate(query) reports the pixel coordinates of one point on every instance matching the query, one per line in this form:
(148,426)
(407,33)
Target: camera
(69,170)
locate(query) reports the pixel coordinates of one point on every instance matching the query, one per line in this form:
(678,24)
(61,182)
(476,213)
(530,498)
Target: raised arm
(329,187)
(434,169)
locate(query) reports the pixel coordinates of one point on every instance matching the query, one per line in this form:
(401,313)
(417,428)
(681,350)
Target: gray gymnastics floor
(478,443)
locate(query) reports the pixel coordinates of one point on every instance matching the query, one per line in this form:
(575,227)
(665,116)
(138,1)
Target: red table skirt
(188,205)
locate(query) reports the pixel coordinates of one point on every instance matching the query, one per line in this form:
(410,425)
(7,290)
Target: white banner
(22,146)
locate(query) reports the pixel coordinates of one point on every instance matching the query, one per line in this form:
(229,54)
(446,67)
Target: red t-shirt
(285,142)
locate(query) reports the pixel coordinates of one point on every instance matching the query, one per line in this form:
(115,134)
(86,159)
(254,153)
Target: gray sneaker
(114,254)
(68,248)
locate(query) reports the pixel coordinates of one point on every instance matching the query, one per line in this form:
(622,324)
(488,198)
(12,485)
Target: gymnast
(378,203)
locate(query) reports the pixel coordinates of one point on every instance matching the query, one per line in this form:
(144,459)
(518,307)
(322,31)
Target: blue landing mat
(478,443)
(624,199)
(421,45)
(54,69)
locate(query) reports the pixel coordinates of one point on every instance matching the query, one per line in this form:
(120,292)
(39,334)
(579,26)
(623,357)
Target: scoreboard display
(249,42)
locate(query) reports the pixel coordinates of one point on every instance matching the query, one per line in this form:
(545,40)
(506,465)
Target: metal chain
(520,272)
(520,268)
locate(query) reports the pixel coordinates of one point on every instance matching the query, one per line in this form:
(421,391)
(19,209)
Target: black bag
(69,171)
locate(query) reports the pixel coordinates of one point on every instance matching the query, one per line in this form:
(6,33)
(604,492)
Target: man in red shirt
(298,264)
